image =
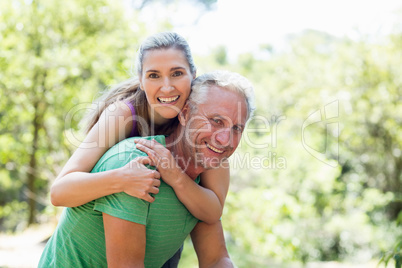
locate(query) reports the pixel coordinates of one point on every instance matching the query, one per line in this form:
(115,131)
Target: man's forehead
(225,103)
(221,93)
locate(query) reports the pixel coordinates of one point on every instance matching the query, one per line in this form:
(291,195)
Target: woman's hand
(162,159)
(204,201)
(138,180)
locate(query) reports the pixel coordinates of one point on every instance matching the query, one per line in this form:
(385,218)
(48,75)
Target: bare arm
(204,201)
(76,186)
(209,244)
(125,242)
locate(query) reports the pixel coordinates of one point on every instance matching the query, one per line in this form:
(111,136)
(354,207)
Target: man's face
(213,132)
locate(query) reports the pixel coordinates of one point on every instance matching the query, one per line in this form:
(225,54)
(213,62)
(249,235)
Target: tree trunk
(32,170)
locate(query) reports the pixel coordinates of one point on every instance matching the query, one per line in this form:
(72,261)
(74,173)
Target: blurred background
(316,181)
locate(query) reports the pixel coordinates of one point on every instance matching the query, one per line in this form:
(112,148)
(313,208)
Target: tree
(53,57)
(319,208)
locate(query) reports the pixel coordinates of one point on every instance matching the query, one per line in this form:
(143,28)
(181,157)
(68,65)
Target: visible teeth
(216,150)
(168,100)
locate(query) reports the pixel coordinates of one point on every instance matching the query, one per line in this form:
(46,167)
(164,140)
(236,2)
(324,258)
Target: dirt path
(23,250)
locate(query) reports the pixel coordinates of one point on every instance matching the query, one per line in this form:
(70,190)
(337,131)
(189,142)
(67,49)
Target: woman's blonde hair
(130,90)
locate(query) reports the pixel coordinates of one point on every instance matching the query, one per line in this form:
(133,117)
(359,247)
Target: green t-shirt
(79,239)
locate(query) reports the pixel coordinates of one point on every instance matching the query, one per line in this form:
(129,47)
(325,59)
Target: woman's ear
(140,81)
(184,113)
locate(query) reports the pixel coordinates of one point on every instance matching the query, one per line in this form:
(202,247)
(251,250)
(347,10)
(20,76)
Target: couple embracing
(159,171)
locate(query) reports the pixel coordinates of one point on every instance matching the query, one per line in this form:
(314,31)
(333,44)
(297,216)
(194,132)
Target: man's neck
(176,148)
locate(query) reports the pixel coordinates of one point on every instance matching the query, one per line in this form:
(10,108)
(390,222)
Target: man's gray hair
(226,80)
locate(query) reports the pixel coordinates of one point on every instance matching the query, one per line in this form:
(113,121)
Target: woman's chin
(168,112)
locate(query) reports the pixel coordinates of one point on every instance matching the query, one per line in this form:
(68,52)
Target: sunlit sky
(242,25)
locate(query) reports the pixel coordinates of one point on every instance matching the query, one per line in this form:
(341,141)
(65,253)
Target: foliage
(317,176)
(328,189)
(395,254)
(50,63)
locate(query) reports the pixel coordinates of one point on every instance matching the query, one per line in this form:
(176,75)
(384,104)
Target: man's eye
(238,129)
(153,76)
(177,73)
(217,121)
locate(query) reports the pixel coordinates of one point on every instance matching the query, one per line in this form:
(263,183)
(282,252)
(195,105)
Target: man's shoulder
(122,152)
(130,144)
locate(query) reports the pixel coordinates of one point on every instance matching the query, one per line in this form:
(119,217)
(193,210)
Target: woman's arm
(204,201)
(76,186)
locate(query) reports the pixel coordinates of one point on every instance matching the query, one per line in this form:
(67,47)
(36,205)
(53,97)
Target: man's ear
(184,113)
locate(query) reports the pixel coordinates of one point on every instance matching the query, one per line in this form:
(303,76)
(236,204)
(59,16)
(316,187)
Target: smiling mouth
(168,100)
(214,149)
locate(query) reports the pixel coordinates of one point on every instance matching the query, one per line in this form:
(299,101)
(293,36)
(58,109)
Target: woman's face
(166,79)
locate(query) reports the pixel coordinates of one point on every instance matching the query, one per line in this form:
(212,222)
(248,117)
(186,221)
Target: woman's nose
(166,85)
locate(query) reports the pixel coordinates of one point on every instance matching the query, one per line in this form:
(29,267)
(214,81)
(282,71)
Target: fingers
(149,189)
(156,183)
(157,175)
(145,149)
(143,182)
(153,156)
(154,190)
(143,160)
(148,198)
(152,145)
(149,143)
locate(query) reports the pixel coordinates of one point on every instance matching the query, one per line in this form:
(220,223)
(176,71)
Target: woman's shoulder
(120,108)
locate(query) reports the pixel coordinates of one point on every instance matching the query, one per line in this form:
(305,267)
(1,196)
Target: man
(123,231)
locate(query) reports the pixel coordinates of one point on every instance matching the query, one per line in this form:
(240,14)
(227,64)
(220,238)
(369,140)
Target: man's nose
(223,137)
(166,85)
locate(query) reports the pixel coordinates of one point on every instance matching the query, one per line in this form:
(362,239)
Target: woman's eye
(153,76)
(177,73)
